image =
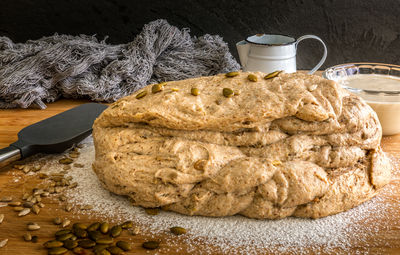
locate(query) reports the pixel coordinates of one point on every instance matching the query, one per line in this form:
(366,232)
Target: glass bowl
(385,101)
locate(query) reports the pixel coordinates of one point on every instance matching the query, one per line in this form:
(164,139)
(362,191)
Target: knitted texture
(44,70)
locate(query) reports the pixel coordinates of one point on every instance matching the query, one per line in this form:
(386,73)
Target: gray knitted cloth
(44,70)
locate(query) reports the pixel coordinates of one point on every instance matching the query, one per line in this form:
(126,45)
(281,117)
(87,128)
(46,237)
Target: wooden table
(13,227)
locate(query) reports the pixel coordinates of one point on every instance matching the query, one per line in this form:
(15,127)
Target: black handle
(8,155)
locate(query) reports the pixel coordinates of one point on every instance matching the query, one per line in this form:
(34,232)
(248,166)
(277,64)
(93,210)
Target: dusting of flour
(237,234)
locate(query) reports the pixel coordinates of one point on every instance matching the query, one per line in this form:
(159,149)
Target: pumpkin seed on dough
(252,77)
(141,94)
(65,161)
(272,75)
(152,211)
(178,230)
(227,92)
(115,231)
(194,91)
(151,245)
(157,88)
(231,74)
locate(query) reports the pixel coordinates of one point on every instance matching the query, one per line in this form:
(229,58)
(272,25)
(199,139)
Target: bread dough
(295,145)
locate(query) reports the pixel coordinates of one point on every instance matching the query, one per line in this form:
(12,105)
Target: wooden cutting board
(13,227)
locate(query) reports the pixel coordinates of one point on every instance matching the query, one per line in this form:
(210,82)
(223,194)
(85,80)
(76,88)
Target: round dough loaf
(295,145)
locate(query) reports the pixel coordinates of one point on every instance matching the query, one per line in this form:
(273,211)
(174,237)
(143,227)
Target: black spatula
(53,135)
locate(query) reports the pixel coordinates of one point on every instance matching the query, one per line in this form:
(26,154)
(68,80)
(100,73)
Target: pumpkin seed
(86,243)
(194,91)
(95,235)
(57,251)
(65,161)
(79,251)
(35,239)
(100,247)
(104,227)
(127,224)
(35,209)
(24,212)
(141,94)
(53,244)
(27,237)
(6,199)
(79,226)
(62,232)
(272,75)
(152,211)
(178,230)
(101,252)
(151,245)
(252,77)
(1,217)
(114,250)
(3,243)
(175,89)
(64,237)
(231,74)
(57,221)
(18,208)
(33,227)
(200,164)
(93,227)
(70,244)
(80,233)
(41,205)
(77,165)
(227,92)
(115,231)
(65,223)
(27,204)
(14,204)
(157,88)
(124,245)
(105,240)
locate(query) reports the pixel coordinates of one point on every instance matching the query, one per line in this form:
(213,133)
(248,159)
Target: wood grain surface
(13,227)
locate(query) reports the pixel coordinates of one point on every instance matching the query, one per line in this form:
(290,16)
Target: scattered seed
(272,75)
(227,92)
(57,251)
(62,232)
(104,227)
(77,165)
(141,94)
(94,226)
(152,211)
(114,250)
(87,207)
(127,224)
(135,230)
(65,161)
(16,203)
(194,91)
(33,226)
(252,77)
(68,208)
(124,245)
(53,244)
(178,230)
(18,208)
(231,74)
(64,237)
(57,221)
(105,240)
(6,199)
(151,245)
(86,243)
(3,242)
(27,237)
(115,231)
(157,88)
(70,244)
(35,239)
(24,212)
(1,217)
(65,223)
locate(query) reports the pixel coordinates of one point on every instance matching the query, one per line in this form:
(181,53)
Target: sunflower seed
(24,212)
(65,223)
(41,205)
(68,208)
(18,166)
(135,230)
(27,237)
(13,204)
(27,204)
(33,226)
(35,209)
(18,208)
(3,242)
(1,217)
(25,196)
(26,169)
(57,220)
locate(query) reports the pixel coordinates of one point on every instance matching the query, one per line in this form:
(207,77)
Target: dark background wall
(354,30)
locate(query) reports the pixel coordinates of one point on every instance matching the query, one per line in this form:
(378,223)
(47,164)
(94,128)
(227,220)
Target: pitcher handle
(301,38)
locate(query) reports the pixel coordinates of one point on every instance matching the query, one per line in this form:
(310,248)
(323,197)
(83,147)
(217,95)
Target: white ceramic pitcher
(272,52)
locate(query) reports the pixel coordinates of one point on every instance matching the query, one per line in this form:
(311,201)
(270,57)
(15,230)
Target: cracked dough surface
(295,145)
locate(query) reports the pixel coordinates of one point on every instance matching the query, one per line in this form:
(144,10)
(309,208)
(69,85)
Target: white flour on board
(237,234)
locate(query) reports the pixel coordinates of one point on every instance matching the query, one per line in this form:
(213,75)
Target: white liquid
(386,107)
